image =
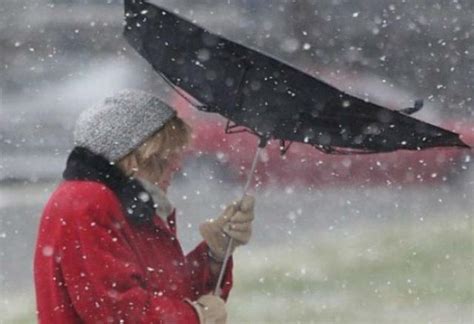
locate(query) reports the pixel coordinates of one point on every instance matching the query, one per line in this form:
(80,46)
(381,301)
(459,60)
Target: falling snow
(340,238)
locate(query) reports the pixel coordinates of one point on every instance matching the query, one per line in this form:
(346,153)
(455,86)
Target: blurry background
(376,250)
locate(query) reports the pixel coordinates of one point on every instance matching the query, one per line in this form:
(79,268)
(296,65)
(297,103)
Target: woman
(107,250)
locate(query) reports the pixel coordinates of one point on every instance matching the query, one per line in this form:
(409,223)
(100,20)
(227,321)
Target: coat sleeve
(103,277)
(203,281)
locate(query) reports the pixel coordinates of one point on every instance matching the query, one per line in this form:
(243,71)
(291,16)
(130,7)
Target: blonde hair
(151,156)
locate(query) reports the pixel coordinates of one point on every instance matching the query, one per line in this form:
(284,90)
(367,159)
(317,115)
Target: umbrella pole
(217,290)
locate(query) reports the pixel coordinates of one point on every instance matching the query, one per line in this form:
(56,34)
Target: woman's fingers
(240,227)
(242,217)
(247,203)
(240,236)
(228,213)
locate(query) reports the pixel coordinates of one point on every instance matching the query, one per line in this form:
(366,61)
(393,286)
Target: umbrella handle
(217,289)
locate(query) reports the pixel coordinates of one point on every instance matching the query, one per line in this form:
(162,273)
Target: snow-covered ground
(397,273)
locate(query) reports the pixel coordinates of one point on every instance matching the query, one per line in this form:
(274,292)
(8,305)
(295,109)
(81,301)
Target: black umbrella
(262,95)
(268,97)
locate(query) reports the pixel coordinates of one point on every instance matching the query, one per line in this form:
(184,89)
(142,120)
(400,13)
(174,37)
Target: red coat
(94,265)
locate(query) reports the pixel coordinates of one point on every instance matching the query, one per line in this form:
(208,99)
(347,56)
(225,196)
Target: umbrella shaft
(217,290)
(252,170)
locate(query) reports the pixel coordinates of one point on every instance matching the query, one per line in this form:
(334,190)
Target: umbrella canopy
(266,96)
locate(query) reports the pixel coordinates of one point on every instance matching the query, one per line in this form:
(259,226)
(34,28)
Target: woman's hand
(210,309)
(235,222)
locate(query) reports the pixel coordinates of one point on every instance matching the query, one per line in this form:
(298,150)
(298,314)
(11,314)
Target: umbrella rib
(284,147)
(179,92)
(229,129)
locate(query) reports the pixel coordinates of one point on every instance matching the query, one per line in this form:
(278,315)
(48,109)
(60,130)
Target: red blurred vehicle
(307,166)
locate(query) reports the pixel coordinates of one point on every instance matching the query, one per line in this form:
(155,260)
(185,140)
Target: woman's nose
(177,166)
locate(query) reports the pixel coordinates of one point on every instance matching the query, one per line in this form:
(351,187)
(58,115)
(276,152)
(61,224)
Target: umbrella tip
(416,107)
(460,143)
(418,104)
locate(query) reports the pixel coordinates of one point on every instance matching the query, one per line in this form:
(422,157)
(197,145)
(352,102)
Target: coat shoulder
(88,191)
(84,198)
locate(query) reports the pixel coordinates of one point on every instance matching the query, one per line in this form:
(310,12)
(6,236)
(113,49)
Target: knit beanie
(121,123)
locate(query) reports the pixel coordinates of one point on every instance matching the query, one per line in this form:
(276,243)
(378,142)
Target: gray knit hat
(121,123)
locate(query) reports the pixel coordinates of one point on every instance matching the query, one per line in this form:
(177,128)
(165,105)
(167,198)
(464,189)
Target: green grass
(411,272)
(17,308)
(396,273)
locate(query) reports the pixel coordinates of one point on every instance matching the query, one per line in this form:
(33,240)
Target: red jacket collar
(82,164)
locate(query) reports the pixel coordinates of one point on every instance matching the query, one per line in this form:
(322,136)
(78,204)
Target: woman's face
(174,164)
(170,164)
